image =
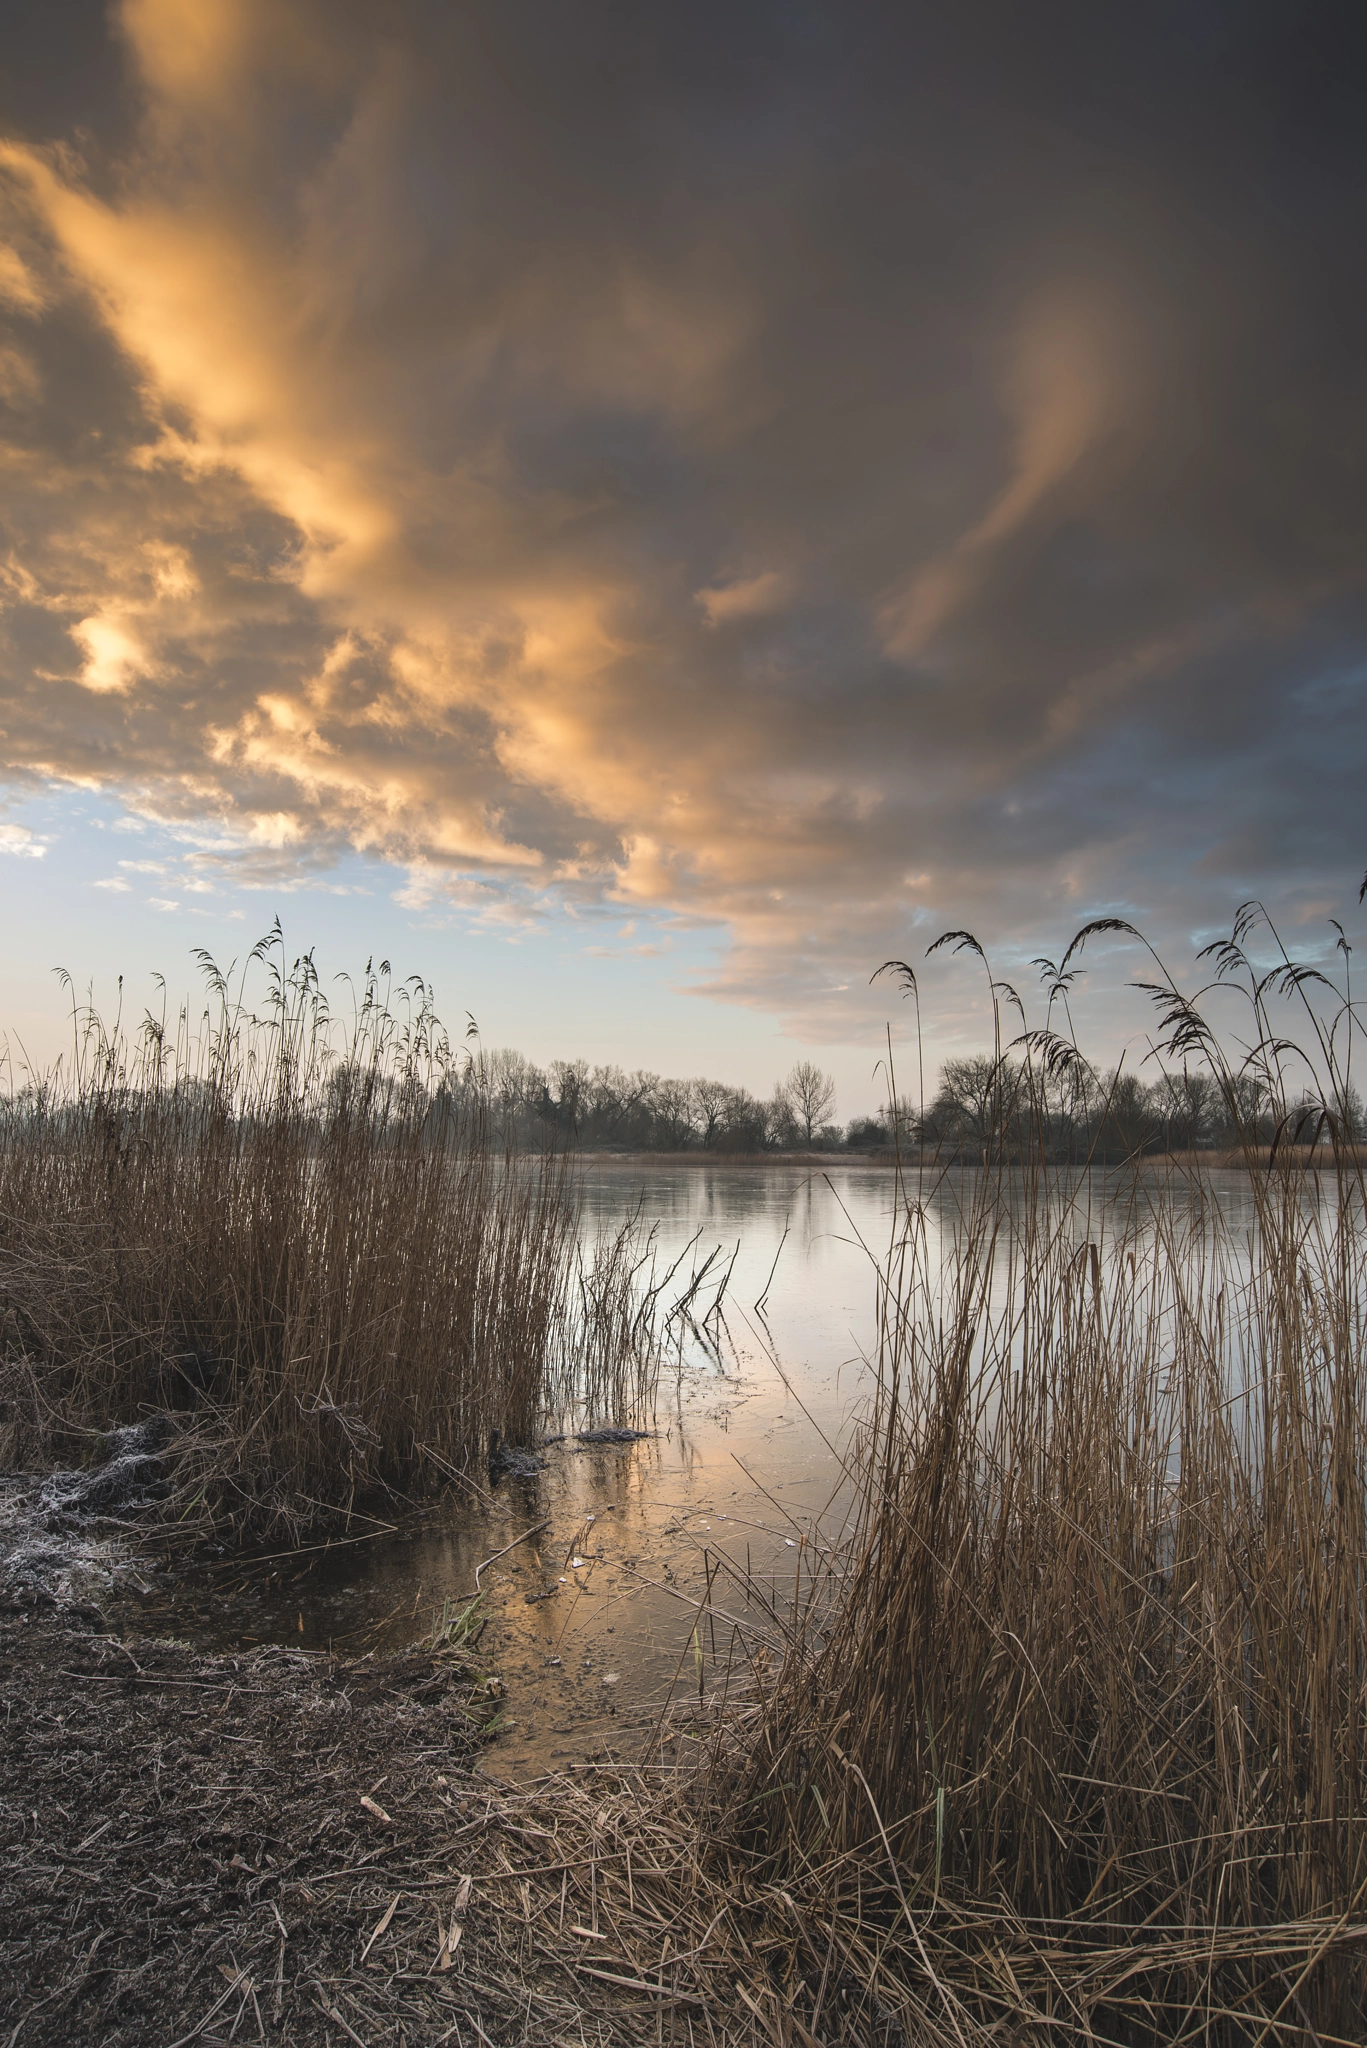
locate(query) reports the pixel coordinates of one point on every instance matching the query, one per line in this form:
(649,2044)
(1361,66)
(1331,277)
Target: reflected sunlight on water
(590,1620)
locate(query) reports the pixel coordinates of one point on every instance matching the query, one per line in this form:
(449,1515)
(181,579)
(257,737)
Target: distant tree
(709,1100)
(902,1123)
(569,1080)
(1130,1118)
(615,1109)
(974,1103)
(1246,1111)
(511,1087)
(1337,1117)
(811,1097)
(674,1115)
(1189,1105)
(866,1132)
(743,1122)
(780,1125)
(637,1124)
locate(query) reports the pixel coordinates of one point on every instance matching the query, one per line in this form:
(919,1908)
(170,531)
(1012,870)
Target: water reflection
(590,1619)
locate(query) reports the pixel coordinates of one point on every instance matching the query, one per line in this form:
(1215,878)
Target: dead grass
(291,1848)
(1072,1731)
(282,1225)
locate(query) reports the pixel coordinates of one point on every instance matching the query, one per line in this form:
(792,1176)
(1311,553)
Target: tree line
(606,1108)
(982,1107)
(986,1107)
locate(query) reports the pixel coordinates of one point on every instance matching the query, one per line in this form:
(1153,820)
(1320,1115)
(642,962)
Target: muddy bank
(287,1848)
(194,1847)
(169,1821)
(293,1847)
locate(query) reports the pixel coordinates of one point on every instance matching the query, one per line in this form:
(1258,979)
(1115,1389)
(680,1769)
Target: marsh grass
(285,1225)
(1071,1729)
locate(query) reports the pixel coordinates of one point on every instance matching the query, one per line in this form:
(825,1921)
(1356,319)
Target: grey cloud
(1016,354)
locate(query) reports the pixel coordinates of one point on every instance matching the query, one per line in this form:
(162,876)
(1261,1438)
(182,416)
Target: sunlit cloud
(747,598)
(114,657)
(18,286)
(581,479)
(18,840)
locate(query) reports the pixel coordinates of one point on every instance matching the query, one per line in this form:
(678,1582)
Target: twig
(510,1546)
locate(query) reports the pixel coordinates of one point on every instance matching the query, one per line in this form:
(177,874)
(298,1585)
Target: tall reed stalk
(1074,1734)
(284,1224)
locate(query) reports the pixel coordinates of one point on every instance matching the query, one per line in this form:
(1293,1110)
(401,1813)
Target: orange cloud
(1060,384)
(483,451)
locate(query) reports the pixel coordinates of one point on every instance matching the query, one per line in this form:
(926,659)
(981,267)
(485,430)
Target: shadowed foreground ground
(173,1821)
(185,1855)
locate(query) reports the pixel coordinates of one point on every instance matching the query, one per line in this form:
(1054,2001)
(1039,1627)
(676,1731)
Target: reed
(1072,1731)
(284,1225)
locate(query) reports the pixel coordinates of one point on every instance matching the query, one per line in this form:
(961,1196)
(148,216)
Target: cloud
(18,286)
(114,657)
(577,471)
(17,839)
(1060,378)
(748,598)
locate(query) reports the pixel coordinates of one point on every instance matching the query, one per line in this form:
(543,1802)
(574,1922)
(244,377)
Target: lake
(589,1621)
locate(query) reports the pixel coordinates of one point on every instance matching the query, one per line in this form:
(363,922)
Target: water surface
(592,1622)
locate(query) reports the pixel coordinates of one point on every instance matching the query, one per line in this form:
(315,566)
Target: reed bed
(1068,1738)
(1062,1735)
(284,1226)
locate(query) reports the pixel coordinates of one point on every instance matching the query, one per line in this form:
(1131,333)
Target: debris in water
(513,1459)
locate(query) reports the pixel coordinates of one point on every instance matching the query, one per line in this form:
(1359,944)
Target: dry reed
(287,1227)
(1073,1735)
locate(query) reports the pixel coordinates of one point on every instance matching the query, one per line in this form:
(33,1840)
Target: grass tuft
(286,1227)
(1073,1730)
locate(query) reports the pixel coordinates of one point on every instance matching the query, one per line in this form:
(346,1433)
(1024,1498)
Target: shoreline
(300,1847)
(1305,1158)
(287,1847)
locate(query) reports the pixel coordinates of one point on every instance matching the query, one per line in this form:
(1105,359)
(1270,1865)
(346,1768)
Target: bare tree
(569,1083)
(512,1082)
(1189,1104)
(780,1128)
(709,1101)
(744,1122)
(974,1102)
(811,1095)
(675,1119)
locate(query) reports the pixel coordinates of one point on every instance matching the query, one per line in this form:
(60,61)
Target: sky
(641,513)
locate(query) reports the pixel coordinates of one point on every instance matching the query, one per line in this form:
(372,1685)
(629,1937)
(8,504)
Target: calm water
(590,1621)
